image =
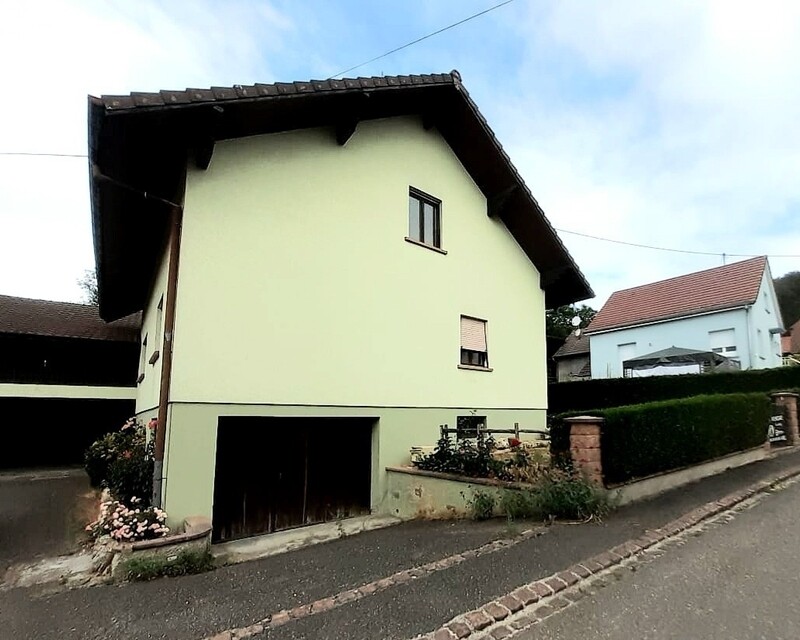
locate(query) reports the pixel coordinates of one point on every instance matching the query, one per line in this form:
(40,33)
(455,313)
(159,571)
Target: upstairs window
(474,353)
(424,219)
(723,342)
(142,359)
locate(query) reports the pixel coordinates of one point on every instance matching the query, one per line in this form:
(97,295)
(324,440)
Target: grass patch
(183,564)
(481,505)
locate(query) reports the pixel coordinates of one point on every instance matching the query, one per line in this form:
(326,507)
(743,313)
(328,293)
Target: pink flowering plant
(128,524)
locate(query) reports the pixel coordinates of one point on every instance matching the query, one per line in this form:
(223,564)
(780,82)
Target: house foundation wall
(190,456)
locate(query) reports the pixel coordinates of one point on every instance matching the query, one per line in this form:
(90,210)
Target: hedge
(614,392)
(645,439)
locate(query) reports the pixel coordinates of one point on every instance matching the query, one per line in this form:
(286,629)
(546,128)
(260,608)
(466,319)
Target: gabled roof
(26,316)
(573,346)
(725,287)
(139,144)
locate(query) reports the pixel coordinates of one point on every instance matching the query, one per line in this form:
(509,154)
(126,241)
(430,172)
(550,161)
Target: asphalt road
(194,607)
(42,514)
(735,581)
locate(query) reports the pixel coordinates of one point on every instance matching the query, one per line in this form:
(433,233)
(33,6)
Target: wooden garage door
(278,473)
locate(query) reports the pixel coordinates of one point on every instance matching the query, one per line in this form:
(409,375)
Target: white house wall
(296,285)
(690,333)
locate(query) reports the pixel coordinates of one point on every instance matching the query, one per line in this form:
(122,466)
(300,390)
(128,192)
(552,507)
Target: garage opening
(279,473)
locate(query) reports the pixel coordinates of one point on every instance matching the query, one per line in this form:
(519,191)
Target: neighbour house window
(424,218)
(474,353)
(723,342)
(469,426)
(159,339)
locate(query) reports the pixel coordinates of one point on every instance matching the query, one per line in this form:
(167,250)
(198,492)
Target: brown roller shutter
(473,334)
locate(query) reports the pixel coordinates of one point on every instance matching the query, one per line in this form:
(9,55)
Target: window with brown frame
(142,359)
(474,352)
(424,218)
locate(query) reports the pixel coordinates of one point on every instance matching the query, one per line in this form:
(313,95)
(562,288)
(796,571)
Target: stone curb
(540,598)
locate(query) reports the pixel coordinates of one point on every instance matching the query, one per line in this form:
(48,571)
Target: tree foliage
(787,288)
(88,283)
(559,320)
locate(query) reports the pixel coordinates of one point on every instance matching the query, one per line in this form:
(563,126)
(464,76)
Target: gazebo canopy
(675,357)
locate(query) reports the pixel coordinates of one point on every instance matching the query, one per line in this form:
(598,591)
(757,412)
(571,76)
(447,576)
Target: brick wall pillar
(584,446)
(788,401)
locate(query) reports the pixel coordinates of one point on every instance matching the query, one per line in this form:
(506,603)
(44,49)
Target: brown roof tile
(573,346)
(27,316)
(723,287)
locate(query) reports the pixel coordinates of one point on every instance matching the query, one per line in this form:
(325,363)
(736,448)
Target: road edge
(490,618)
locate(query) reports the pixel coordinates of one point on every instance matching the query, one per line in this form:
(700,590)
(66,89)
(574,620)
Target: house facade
(66,377)
(730,310)
(340,269)
(573,361)
(790,344)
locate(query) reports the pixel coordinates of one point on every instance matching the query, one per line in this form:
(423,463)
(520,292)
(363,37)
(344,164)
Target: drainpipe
(174,243)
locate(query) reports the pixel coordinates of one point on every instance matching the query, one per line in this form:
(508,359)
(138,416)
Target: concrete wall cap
(785,394)
(582,419)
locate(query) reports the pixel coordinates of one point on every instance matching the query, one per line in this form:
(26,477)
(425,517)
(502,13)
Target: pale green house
(328,270)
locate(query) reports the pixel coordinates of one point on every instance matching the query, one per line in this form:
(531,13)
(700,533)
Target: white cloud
(56,53)
(686,136)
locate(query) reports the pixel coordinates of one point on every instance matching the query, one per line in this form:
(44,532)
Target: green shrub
(519,504)
(646,439)
(123,462)
(562,494)
(613,392)
(185,563)
(130,475)
(104,451)
(468,458)
(481,505)
(642,440)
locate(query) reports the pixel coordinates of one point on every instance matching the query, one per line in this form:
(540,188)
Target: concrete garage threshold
(282,541)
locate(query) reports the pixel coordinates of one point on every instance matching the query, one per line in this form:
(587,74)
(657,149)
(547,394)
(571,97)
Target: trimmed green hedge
(645,439)
(614,392)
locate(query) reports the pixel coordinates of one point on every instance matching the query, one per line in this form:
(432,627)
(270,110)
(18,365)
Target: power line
(655,248)
(574,233)
(46,155)
(425,37)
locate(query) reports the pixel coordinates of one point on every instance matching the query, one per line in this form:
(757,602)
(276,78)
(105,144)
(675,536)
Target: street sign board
(776,433)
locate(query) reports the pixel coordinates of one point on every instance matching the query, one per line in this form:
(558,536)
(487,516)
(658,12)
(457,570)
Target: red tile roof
(64,320)
(719,288)
(573,346)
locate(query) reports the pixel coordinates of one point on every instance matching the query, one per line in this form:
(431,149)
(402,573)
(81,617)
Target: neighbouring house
(328,270)
(572,359)
(730,310)
(66,377)
(790,344)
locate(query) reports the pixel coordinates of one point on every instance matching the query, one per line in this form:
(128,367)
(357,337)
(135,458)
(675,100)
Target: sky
(668,123)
